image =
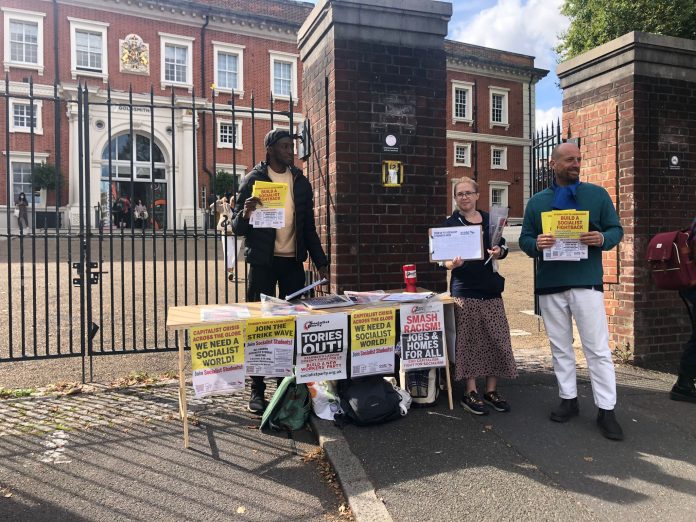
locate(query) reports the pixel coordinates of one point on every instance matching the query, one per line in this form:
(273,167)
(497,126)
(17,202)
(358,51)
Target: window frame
(78,24)
(503,157)
(238,134)
(468,109)
(25,157)
(467,162)
(279,56)
(227,48)
(499,185)
(38,111)
(22,15)
(505,116)
(176,41)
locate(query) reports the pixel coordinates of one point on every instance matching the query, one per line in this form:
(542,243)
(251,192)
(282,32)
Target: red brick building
(175,88)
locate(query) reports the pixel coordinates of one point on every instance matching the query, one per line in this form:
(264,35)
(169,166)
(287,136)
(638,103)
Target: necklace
(469,218)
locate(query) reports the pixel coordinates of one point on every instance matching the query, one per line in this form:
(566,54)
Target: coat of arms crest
(134,55)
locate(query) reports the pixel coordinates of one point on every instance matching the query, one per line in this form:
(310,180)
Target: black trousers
(288,275)
(687,366)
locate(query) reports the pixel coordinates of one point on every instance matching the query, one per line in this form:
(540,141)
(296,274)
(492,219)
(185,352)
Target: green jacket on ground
(586,272)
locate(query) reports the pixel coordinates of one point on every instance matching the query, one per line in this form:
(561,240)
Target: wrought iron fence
(84,276)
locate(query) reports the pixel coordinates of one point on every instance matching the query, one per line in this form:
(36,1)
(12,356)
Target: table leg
(183,410)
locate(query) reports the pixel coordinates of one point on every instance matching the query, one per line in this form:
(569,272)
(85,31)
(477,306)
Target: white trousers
(229,252)
(587,307)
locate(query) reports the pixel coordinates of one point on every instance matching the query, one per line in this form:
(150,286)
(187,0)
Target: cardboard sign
(217,358)
(422,339)
(322,347)
(269,346)
(373,335)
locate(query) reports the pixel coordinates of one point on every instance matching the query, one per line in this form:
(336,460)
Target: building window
(462,101)
(176,60)
(20,169)
(229,134)
(283,75)
(89,49)
(499,107)
(23,39)
(462,154)
(145,154)
(499,158)
(22,119)
(498,193)
(229,67)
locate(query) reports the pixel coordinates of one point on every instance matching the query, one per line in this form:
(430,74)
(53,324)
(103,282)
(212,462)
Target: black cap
(274,136)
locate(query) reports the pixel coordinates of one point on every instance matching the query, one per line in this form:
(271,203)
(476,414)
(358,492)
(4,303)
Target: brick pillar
(380,67)
(632,101)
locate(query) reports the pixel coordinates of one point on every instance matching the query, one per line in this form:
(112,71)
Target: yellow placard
(565,224)
(270,328)
(217,346)
(372,328)
(272,195)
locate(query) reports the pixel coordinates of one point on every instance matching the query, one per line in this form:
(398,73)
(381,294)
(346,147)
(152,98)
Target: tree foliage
(44,176)
(594,22)
(225,182)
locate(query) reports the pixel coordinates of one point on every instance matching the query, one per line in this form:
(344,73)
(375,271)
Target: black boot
(566,410)
(257,402)
(608,425)
(684,389)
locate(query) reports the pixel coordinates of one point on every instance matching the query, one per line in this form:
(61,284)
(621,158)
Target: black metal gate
(88,281)
(542,175)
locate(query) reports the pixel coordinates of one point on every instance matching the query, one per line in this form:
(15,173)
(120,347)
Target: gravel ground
(138,321)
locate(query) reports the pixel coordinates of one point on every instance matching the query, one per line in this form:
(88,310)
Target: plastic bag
(325,402)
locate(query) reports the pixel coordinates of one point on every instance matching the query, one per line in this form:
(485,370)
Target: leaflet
(271,213)
(566,226)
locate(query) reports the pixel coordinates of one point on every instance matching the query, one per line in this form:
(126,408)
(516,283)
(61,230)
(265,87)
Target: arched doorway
(137,174)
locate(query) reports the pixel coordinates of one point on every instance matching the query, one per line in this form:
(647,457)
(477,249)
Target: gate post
(632,101)
(373,70)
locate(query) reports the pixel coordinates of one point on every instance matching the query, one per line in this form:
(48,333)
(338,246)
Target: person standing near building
(276,256)
(483,347)
(22,211)
(574,289)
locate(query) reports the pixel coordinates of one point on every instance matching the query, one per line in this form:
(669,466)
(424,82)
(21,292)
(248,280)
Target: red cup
(409,277)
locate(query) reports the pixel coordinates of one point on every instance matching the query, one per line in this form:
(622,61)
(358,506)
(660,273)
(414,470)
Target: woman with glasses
(483,347)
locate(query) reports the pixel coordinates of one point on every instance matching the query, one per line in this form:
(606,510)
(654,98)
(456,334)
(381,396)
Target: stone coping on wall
(633,54)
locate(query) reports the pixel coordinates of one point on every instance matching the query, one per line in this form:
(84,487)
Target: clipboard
(446,243)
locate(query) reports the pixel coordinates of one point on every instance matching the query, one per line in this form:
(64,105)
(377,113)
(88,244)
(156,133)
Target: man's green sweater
(586,272)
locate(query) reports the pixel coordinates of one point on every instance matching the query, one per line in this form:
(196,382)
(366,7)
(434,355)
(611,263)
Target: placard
(422,339)
(446,243)
(217,358)
(322,347)
(372,335)
(269,346)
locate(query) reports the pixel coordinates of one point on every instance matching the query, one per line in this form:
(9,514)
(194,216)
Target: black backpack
(367,400)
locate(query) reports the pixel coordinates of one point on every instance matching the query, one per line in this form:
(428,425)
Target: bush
(225,182)
(44,176)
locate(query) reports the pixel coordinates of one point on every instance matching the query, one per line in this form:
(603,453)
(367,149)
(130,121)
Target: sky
(528,27)
(522,26)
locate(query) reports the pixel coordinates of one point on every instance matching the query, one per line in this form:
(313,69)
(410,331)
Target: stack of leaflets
(365,297)
(409,297)
(326,301)
(225,313)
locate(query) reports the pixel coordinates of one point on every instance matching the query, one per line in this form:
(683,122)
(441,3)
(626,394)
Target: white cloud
(547,118)
(527,27)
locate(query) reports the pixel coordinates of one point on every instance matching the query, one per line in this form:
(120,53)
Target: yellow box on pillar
(392,173)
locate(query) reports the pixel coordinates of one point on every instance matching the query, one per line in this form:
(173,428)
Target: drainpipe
(56,108)
(204,92)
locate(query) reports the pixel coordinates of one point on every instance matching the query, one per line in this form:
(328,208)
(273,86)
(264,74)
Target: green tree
(594,22)
(225,182)
(44,176)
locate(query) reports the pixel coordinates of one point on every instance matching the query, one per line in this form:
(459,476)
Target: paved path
(116,454)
